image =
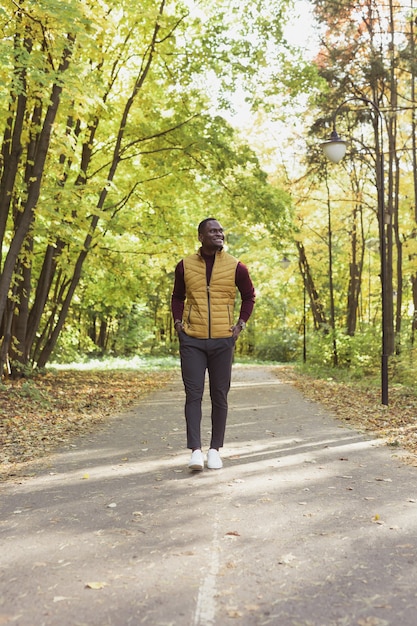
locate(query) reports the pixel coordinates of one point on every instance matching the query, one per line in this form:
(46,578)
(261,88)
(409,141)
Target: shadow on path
(309,522)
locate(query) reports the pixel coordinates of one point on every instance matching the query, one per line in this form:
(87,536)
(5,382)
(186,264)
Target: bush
(361,353)
(403,367)
(282,347)
(73,346)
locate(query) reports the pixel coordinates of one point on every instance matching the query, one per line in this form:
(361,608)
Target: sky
(300,31)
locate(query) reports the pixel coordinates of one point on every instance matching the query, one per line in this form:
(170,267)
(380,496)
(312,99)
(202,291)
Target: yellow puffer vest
(209,310)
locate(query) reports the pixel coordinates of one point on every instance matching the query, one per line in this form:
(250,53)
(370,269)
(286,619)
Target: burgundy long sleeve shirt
(243,283)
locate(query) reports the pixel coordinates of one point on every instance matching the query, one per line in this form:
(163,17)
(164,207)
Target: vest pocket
(189,314)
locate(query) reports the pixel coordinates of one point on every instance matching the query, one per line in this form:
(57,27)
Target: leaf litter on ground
(41,414)
(361,407)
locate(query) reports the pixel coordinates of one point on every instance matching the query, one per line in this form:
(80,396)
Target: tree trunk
(21,314)
(414,318)
(103,335)
(26,217)
(43,288)
(66,303)
(414,157)
(317,309)
(12,142)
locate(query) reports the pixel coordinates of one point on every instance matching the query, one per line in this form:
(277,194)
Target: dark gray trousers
(197,356)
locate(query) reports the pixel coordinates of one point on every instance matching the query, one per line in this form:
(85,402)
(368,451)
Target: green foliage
(74,346)
(29,390)
(404,367)
(360,354)
(337,215)
(139,154)
(359,359)
(277,346)
(123,183)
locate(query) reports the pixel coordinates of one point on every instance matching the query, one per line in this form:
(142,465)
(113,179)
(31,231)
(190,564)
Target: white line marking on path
(205,612)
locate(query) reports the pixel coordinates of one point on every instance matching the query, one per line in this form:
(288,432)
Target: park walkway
(309,523)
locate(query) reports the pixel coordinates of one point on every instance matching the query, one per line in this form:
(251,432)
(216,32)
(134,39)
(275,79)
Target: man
(203,310)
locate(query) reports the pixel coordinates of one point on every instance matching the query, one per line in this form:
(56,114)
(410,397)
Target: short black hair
(204,222)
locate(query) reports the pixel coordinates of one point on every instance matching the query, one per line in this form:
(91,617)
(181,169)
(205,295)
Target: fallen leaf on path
(286,559)
(95,585)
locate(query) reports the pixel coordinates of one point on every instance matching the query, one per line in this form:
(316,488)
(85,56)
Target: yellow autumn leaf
(95,585)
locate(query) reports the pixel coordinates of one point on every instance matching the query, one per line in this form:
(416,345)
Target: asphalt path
(309,523)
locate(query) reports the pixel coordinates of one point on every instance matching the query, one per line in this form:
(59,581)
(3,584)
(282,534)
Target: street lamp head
(334,148)
(285,262)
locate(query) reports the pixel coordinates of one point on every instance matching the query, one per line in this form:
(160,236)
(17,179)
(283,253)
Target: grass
(148,363)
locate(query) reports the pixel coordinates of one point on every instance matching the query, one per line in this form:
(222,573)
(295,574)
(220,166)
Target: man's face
(212,237)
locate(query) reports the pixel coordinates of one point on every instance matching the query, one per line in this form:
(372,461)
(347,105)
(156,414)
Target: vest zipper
(209,314)
(208,299)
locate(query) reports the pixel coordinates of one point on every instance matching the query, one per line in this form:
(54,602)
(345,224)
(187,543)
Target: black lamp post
(335,150)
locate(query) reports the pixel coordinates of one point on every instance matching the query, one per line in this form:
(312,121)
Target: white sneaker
(213,459)
(196,461)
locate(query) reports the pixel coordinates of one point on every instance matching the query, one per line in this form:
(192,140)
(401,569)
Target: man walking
(203,310)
